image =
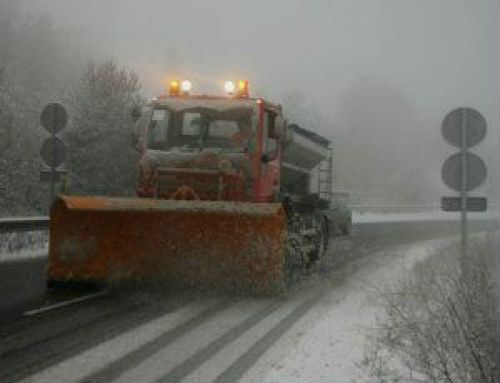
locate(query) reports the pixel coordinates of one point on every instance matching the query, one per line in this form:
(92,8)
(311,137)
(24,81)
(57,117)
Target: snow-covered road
(316,334)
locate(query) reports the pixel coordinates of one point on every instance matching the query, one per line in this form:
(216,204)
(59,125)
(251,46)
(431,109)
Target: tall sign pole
(464,171)
(52,168)
(53,150)
(463,186)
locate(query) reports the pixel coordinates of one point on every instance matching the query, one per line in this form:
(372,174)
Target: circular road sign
(475,127)
(452,171)
(53,151)
(54,118)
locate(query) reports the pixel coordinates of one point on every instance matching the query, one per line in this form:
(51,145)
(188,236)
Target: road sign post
(53,151)
(464,171)
(463,186)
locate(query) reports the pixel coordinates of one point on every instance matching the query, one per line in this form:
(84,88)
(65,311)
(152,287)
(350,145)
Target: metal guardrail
(23,224)
(394,208)
(402,208)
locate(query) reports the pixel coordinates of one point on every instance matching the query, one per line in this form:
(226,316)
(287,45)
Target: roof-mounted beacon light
(243,88)
(230,87)
(237,88)
(174,88)
(186,86)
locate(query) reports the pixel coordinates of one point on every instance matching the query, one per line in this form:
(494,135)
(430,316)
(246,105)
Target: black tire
(326,259)
(288,273)
(322,241)
(290,260)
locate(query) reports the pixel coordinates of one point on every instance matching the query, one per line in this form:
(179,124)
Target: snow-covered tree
(38,64)
(102,159)
(19,189)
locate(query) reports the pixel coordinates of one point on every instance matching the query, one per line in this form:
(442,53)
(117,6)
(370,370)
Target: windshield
(199,129)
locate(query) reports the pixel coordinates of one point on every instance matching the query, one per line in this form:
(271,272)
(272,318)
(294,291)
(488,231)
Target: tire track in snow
(96,358)
(200,357)
(114,370)
(29,330)
(248,359)
(73,336)
(35,354)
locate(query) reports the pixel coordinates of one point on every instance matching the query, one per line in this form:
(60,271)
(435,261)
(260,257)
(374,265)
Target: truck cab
(210,148)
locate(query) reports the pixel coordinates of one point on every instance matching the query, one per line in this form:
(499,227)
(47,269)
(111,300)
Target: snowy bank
(327,343)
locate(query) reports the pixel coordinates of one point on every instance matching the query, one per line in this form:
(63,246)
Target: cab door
(270,164)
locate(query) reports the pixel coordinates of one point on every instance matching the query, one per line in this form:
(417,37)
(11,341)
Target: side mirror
(277,128)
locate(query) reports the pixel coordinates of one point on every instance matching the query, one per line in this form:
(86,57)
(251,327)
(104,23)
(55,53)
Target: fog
(377,77)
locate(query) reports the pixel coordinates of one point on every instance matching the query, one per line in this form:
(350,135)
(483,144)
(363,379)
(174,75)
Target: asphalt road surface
(136,336)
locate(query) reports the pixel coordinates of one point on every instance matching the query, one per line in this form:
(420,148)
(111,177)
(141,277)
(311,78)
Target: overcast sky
(439,54)
(435,50)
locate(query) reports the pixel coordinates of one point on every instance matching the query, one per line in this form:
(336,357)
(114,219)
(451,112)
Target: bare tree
(442,322)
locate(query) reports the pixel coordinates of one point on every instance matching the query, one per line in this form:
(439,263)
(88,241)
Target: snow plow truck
(229,196)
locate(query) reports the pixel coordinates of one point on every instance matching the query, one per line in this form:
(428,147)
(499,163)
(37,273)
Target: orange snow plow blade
(209,244)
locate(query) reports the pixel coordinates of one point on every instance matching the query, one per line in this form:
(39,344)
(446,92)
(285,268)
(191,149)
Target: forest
(40,64)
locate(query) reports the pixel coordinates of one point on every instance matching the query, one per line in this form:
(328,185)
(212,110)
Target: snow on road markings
(222,360)
(65,303)
(230,362)
(234,372)
(206,353)
(99,357)
(167,358)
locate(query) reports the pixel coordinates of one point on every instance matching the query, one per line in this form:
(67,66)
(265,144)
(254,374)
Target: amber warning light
(178,87)
(238,88)
(174,88)
(233,88)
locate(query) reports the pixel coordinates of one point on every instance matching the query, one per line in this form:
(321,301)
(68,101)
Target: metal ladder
(325,175)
